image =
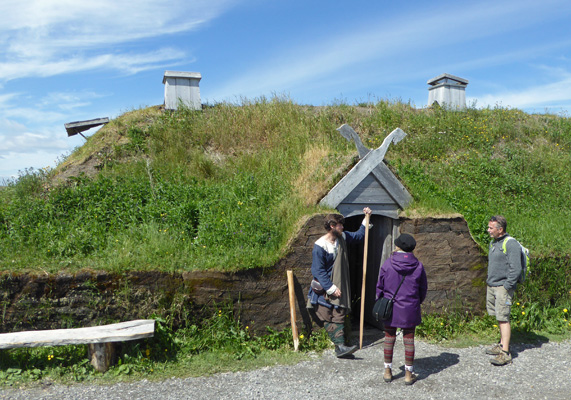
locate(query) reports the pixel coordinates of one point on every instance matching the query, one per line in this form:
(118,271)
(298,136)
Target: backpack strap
(401,281)
(504,244)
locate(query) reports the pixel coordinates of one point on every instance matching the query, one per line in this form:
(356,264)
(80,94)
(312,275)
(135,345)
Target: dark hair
(333,219)
(501,221)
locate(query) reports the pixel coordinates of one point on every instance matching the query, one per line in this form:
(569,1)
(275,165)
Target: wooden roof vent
(447,91)
(182,88)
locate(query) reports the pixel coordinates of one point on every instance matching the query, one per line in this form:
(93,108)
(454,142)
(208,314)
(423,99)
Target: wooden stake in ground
(292,309)
(362,320)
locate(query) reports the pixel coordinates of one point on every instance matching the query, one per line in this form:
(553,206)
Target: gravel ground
(538,371)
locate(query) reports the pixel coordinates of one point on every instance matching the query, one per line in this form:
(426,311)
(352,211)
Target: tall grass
(225,187)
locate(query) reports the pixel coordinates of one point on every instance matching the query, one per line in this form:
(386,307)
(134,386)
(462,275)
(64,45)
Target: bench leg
(101,355)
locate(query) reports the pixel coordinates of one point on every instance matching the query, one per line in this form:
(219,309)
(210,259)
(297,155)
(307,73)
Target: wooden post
(292,309)
(362,319)
(101,355)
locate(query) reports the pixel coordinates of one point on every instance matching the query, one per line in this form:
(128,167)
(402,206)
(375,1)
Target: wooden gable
(370,183)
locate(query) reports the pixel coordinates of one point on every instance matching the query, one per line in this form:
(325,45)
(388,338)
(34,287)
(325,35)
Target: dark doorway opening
(380,247)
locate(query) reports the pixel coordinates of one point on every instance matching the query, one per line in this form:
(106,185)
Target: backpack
(524,258)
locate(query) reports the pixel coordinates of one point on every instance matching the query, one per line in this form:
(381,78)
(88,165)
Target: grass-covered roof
(226,187)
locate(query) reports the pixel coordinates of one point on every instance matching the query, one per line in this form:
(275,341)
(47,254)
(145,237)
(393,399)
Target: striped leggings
(408,341)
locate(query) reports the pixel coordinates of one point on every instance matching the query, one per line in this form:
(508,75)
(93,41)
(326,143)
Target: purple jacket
(406,309)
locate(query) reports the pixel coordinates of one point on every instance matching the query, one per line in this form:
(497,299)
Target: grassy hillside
(227,187)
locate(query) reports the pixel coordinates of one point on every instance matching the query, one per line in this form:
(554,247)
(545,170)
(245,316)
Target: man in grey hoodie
(504,270)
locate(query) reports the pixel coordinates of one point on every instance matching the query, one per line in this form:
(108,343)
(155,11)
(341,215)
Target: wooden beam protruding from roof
(73,128)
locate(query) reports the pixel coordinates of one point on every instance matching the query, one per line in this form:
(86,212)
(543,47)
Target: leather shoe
(342,351)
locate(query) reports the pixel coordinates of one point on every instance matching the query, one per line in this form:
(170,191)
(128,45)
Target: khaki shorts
(499,302)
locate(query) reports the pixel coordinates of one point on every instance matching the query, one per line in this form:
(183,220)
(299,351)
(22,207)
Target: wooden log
(120,332)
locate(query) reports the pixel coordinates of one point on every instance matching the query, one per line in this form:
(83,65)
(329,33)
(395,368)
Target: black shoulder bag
(383,308)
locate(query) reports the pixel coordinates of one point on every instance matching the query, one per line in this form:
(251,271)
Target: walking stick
(362,320)
(292,309)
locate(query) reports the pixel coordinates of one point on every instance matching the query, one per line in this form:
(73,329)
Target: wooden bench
(100,339)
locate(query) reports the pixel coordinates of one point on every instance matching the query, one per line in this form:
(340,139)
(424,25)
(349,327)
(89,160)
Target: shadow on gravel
(522,341)
(434,364)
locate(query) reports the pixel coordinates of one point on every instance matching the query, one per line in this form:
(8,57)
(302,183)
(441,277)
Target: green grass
(215,344)
(225,188)
(530,323)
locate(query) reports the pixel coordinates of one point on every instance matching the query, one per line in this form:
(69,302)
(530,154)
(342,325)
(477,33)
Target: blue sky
(67,60)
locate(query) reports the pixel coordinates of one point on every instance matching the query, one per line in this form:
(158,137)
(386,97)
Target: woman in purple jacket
(406,309)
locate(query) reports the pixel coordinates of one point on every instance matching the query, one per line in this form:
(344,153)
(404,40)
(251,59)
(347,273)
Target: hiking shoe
(502,359)
(342,351)
(494,350)
(409,378)
(388,375)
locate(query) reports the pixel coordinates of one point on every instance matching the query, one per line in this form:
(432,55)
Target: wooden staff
(362,320)
(292,309)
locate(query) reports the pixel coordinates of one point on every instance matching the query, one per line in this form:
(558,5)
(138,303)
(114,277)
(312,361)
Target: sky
(63,61)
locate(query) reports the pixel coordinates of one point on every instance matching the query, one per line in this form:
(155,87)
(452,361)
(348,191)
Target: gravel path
(539,371)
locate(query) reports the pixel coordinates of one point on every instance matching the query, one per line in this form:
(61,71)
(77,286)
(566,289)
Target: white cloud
(75,23)
(38,127)
(31,141)
(391,40)
(12,162)
(67,101)
(6,98)
(30,115)
(127,63)
(51,37)
(552,96)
